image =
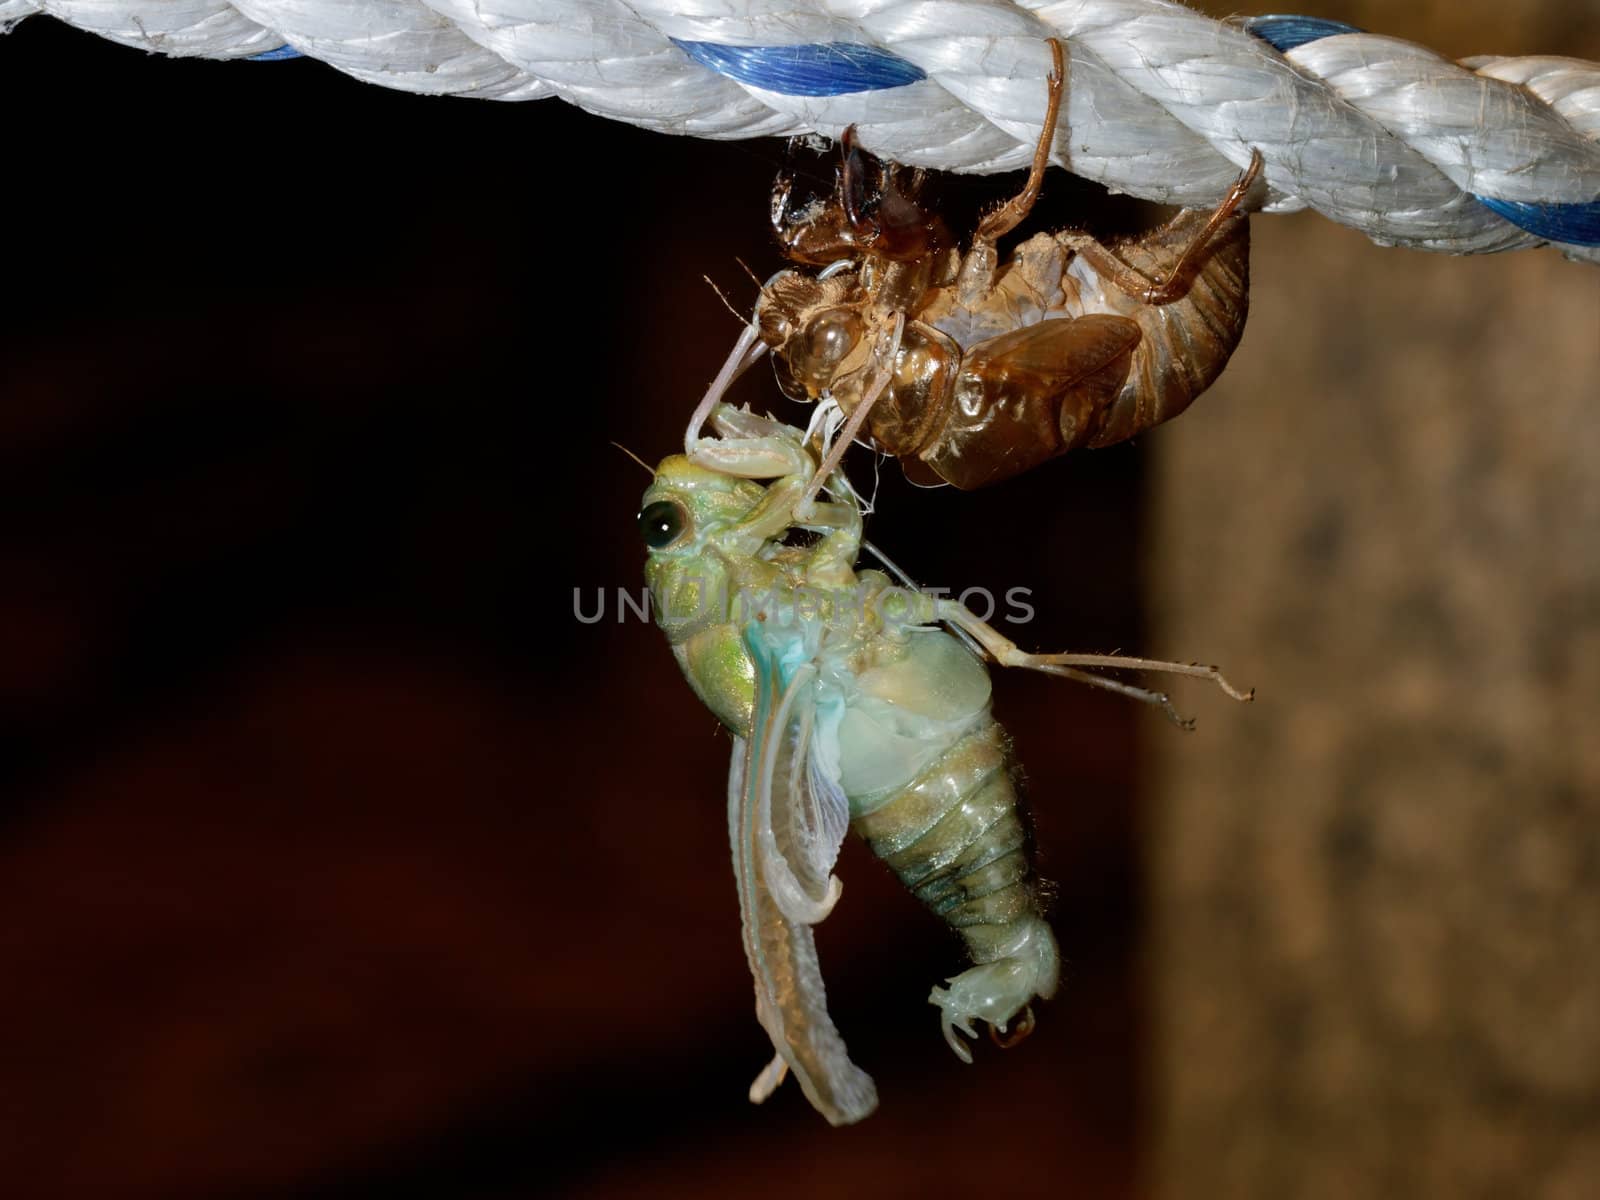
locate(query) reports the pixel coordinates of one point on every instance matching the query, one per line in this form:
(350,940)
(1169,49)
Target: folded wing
(786,821)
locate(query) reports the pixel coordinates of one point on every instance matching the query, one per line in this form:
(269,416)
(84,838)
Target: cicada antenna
(725,302)
(635,458)
(754,278)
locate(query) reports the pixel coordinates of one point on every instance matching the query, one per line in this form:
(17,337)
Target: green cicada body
(849,707)
(852,703)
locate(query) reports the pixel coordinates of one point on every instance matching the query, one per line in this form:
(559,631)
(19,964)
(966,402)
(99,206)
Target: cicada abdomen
(957,836)
(1073,347)
(1184,342)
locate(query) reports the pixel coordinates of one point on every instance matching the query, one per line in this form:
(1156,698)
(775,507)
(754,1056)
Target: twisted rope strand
(1163,102)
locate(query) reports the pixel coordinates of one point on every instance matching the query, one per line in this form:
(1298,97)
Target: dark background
(336,852)
(336,856)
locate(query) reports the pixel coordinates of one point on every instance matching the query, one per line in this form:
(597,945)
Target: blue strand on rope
(1284,33)
(824,69)
(838,68)
(1576,224)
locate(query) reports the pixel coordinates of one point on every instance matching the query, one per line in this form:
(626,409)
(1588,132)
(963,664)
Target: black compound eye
(662,523)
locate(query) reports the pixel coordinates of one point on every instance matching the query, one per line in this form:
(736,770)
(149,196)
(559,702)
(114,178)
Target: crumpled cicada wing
(800,816)
(804,816)
(785,837)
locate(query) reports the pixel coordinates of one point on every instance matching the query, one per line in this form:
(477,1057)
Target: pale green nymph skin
(686,582)
(909,690)
(901,706)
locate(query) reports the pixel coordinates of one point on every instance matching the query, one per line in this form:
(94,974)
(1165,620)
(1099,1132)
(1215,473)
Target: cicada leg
(751,458)
(773,1074)
(976,275)
(852,185)
(1008,654)
(745,351)
(1174,284)
(1012,213)
(754,447)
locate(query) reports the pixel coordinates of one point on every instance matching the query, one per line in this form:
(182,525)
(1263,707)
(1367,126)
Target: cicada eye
(662,523)
(824,343)
(776,328)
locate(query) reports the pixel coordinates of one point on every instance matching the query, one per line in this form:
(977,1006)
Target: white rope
(1162,102)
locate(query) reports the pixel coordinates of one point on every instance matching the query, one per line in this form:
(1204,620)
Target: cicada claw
(949,1023)
(999,1036)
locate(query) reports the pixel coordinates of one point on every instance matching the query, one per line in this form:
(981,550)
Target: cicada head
(688,520)
(684,520)
(817,329)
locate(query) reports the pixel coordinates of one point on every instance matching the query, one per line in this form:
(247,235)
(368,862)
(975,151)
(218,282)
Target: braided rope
(1163,103)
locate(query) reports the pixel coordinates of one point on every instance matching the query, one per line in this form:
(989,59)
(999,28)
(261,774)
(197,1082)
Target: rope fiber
(1162,102)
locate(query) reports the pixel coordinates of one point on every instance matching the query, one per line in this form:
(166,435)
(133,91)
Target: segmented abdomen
(958,839)
(1186,343)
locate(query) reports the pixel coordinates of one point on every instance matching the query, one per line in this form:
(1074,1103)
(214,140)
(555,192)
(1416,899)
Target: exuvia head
(815,326)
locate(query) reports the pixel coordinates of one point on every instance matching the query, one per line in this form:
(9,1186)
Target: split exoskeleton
(854,702)
(969,370)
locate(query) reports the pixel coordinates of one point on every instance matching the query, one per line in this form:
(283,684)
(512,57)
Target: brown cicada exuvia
(970,370)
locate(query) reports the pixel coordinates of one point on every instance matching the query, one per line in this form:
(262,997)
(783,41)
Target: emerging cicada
(850,706)
(970,371)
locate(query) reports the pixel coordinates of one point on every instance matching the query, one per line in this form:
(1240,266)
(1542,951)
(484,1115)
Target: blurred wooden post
(1375,968)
